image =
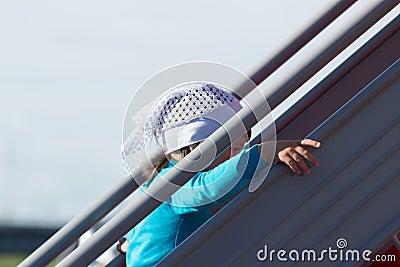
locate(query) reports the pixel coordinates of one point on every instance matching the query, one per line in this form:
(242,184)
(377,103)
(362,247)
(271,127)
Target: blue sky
(68,70)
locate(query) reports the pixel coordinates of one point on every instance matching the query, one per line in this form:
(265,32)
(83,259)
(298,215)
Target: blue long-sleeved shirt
(189,207)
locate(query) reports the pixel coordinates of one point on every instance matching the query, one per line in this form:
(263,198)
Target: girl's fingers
(295,155)
(291,163)
(307,155)
(299,161)
(309,142)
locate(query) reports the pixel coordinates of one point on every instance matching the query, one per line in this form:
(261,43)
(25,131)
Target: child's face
(230,152)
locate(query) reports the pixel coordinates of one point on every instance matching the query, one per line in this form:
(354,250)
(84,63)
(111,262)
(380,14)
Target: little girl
(181,118)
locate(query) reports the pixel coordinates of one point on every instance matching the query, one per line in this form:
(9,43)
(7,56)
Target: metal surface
(130,216)
(340,86)
(118,261)
(371,59)
(348,197)
(376,55)
(396,242)
(323,50)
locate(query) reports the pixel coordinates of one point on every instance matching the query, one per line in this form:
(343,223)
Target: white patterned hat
(184,115)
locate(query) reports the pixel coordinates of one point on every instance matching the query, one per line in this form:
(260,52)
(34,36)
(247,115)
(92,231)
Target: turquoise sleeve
(216,185)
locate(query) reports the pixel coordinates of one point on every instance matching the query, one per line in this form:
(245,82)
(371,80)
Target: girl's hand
(294,154)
